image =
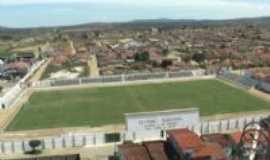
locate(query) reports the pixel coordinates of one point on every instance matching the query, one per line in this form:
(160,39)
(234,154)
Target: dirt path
(260,94)
(9,114)
(93,66)
(37,76)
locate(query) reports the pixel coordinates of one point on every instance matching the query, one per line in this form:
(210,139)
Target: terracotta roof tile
(213,150)
(156,150)
(134,152)
(185,139)
(222,139)
(236,136)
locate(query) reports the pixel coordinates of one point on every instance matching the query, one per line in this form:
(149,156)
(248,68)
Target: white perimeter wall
(70,140)
(10,97)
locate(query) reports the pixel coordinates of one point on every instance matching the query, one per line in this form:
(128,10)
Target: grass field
(4,52)
(103,106)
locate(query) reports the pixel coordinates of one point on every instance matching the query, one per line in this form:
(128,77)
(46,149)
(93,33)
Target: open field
(4,52)
(106,105)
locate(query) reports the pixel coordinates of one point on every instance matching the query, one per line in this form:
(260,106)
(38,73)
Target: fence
(71,140)
(120,78)
(12,95)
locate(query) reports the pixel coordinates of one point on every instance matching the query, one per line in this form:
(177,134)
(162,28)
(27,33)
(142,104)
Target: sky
(36,13)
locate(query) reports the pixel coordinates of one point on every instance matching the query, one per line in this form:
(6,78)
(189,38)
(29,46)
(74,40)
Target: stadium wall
(73,140)
(125,79)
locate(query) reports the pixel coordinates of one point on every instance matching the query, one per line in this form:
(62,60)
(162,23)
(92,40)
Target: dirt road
(93,66)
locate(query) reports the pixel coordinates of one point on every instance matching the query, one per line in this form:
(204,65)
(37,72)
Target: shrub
(142,57)
(199,57)
(34,144)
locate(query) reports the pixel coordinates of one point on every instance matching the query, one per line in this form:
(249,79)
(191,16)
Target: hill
(171,23)
(259,21)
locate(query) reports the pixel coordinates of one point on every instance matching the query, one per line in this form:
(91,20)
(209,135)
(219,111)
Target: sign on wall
(162,120)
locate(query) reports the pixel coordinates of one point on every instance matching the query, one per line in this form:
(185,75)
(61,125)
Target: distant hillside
(171,23)
(3,28)
(251,21)
(167,23)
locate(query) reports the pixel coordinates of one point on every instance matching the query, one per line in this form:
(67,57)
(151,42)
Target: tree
(97,34)
(142,57)
(166,63)
(34,144)
(235,151)
(12,57)
(165,52)
(187,57)
(199,57)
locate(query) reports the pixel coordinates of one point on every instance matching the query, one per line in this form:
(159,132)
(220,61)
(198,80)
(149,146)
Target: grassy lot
(50,69)
(4,52)
(102,106)
(53,68)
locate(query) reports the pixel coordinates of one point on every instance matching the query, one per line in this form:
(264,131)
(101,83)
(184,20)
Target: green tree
(142,57)
(199,57)
(34,144)
(12,57)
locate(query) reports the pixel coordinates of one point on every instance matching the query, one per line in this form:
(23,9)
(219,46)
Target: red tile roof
(185,139)
(236,136)
(190,142)
(134,152)
(156,150)
(222,139)
(213,150)
(18,65)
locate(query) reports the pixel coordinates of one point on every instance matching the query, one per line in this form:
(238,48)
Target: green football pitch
(107,105)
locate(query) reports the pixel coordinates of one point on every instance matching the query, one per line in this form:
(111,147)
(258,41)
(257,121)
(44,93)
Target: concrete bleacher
(248,81)
(245,81)
(263,86)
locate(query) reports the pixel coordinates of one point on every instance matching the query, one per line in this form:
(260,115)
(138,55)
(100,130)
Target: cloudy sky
(34,13)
